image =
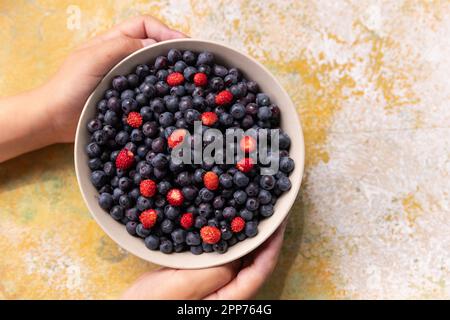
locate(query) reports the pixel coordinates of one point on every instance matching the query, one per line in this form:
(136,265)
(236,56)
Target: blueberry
(189,57)
(267,182)
(226,232)
(167,226)
(189,87)
(136,135)
(240,236)
(252,189)
(186,103)
(127,94)
(207,247)
(166,246)
(131,227)
(120,83)
(218,202)
(174,55)
(157,105)
(189,73)
(160,202)
(105,201)
(229,213)
(266,210)
(264,196)
(179,247)
(220,247)
(94,125)
(160,161)
(216,84)
(205,57)
(240,197)
(240,179)
(98,178)
(230,79)
(150,129)
(284,184)
(189,192)
(125,183)
(251,229)
(178,236)
(205,209)
(286,164)
(161,62)
(198,101)
(117,212)
(95,164)
(252,204)
(125,201)
(132,214)
(262,99)
(164,187)
(226,119)
(264,113)
(183,179)
(162,75)
(200,222)
(162,88)
(179,66)
(246,214)
(237,111)
(238,90)
(166,119)
(102,105)
(196,249)
(192,115)
(142,71)
(171,212)
(172,103)
(232,241)
(252,86)
(158,145)
(142,203)
(152,242)
(226,180)
(111,93)
(220,71)
(151,79)
(206,195)
(193,239)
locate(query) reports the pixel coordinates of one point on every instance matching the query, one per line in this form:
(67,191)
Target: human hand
(70,87)
(240,279)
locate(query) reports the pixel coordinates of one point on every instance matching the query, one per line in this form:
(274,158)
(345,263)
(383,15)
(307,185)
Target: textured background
(370,82)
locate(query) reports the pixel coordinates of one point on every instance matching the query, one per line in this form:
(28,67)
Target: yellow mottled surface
(370,82)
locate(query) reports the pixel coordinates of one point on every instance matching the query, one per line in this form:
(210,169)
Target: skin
(49,115)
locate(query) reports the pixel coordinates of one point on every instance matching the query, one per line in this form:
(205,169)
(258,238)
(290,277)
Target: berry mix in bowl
(187,154)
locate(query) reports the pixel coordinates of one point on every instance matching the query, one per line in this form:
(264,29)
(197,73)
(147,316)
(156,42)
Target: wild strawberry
(200,79)
(176,137)
(245,164)
(147,188)
(175,197)
(210,234)
(237,224)
(134,119)
(224,97)
(209,118)
(248,144)
(187,220)
(211,180)
(148,218)
(125,159)
(175,79)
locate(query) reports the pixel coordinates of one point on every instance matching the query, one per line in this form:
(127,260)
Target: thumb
(103,56)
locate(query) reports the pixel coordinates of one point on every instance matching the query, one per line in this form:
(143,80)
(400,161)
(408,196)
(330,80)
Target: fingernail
(147,42)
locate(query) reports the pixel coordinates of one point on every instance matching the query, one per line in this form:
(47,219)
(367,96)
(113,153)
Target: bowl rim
(227,257)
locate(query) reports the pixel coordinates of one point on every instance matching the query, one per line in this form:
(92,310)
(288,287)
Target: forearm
(25,124)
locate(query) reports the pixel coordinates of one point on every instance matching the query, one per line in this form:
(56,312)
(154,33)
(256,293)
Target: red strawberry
(209,118)
(224,97)
(147,188)
(148,218)
(248,144)
(210,234)
(211,180)
(134,119)
(125,159)
(175,79)
(176,137)
(237,224)
(175,197)
(187,220)
(200,79)
(245,164)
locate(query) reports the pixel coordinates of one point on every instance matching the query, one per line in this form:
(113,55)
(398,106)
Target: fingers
(182,284)
(141,27)
(260,265)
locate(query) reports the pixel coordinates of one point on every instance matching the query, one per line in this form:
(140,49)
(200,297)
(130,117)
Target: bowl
(290,123)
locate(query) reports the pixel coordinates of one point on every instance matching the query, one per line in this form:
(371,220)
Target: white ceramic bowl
(252,70)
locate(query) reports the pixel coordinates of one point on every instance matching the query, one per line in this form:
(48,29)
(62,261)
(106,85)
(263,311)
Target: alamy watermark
(211,146)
